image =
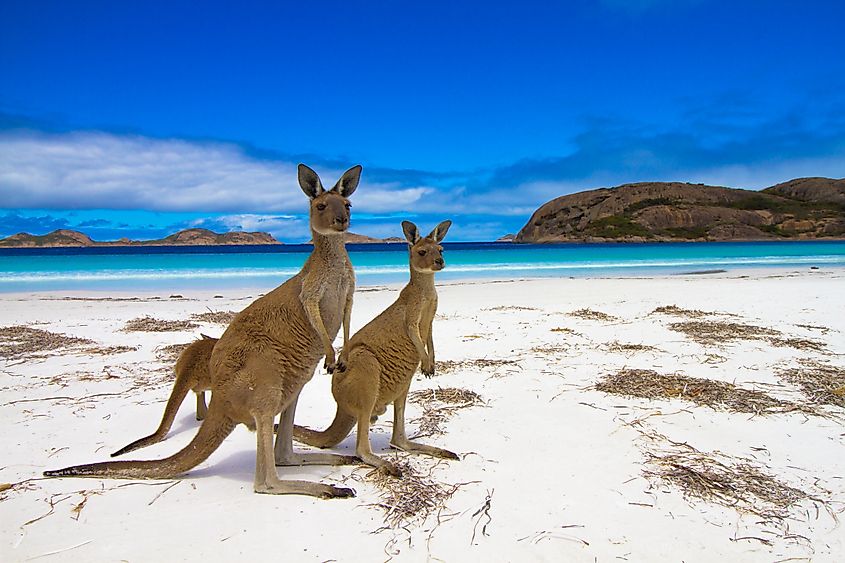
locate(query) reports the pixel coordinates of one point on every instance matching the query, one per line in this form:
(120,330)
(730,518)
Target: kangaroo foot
(417,448)
(279,487)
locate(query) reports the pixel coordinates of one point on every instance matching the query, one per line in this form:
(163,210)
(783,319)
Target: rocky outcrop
(820,190)
(188,237)
(666,211)
(355,238)
(61,237)
(205,237)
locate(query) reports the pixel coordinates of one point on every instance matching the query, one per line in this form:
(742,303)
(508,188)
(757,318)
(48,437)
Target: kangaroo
(376,366)
(266,355)
(192,373)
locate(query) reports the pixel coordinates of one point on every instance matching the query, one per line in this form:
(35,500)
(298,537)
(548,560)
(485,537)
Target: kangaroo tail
(180,390)
(211,434)
(331,436)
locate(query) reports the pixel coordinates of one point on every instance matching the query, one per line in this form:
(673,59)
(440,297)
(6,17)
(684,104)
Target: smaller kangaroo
(192,372)
(377,364)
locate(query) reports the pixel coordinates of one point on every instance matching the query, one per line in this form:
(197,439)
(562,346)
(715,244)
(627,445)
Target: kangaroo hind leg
(358,393)
(266,480)
(283,451)
(400,441)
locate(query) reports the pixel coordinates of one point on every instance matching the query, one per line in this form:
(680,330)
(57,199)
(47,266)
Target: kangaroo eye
(421,252)
(321,206)
(348,205)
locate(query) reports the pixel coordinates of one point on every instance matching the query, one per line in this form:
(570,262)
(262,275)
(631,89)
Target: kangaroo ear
(411,232)
(309,181)
(348,182)
(439,232)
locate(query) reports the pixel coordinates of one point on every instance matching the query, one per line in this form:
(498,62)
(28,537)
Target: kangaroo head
(330,209)
(426,254)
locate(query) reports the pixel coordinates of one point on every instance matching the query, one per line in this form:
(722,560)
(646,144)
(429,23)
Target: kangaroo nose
(341,219)
(439,261)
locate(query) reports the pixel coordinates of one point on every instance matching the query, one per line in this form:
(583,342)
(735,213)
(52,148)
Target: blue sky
(139,119)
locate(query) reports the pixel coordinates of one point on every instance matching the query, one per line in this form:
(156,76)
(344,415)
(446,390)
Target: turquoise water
(214,268)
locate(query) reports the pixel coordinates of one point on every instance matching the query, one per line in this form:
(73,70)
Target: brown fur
(268,352)
(378,363)
(192,373)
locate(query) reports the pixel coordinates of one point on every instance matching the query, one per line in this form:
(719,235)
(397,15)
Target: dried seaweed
(733,482)
(411,499)
(448,395)
(439,405)
(149,324)
(717,395)
(170,353)
(19,341)
(679,312)
(546,349)
(109,350)
(591,315)
(621,347)
(822,384)
(798,344)
(218,317)
(511,308)
(822,329)
(713,332)
(565,330)
(449,366)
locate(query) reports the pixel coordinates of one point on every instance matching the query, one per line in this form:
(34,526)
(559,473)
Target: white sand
(562,464)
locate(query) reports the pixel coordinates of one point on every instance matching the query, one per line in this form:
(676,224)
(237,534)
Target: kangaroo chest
(333,301)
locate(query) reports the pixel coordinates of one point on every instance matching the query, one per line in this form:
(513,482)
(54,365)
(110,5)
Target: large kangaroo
(376,366)
(268,352)
(192,374)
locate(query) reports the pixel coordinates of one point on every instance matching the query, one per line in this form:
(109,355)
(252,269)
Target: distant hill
(64,237)
(355,238)
(805,208)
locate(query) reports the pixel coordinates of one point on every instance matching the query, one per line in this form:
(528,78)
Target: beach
(653,418)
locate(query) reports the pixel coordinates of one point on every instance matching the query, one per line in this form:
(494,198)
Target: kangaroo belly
(398,363)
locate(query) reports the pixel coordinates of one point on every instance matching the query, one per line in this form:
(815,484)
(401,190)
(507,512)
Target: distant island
(187,237)
(355,238)
(804,208)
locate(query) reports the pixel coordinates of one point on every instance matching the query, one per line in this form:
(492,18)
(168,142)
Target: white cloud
(96,170)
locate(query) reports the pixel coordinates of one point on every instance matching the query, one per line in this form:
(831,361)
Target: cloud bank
(227,186)
(91,170)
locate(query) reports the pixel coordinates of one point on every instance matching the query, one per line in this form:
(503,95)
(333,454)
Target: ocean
(176,269)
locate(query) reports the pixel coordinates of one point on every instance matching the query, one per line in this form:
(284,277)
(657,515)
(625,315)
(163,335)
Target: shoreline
(209,293)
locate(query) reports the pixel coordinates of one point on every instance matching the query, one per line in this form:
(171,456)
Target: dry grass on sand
(413,497)
(439,405)
(822,384)
(715,333)
(648,384)
(681,312)
(19,341)
(149,324)
(449,366)
(217,317)
(732,482)
(591,315)
(170,353)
